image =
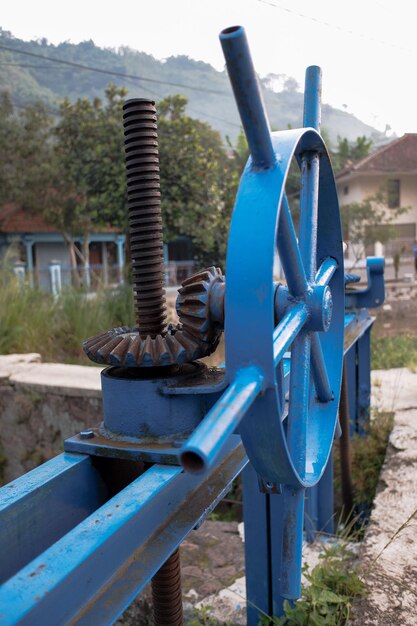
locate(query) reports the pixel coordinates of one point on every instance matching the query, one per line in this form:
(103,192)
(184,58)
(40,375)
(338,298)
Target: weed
(201,617)
(368,454)
(327,598)
(32,321)
(389,352)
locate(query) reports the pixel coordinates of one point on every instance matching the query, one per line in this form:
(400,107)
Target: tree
(26,156)
(90,185)
(350,151)
(367,222)
(197,181)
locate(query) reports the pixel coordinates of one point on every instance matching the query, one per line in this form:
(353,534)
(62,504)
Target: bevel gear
(195,337)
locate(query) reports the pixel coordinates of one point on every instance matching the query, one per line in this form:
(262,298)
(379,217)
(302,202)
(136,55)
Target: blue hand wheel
(288,440)
(287,437)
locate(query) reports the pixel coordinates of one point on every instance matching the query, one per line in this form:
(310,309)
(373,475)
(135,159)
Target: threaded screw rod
(145,219)
(166,593)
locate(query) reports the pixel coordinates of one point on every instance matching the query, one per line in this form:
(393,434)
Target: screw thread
(166,593)
(145,219)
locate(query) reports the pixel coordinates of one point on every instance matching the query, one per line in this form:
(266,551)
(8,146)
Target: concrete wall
(41,404)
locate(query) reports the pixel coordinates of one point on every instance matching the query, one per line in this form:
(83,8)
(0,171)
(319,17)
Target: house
(36,248)
(393,167)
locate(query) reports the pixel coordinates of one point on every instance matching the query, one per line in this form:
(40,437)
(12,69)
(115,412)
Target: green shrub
(326,599)
(31,320)
(389,352)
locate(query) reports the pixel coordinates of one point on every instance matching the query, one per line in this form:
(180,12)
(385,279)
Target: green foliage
(26,317)
(196,180)
(32,321)
(368,454)
(390,352)
(350,151)
(326,599)
(26,155)
(201,617)
(51,82)
(78,316)
(369,221)
(91,186)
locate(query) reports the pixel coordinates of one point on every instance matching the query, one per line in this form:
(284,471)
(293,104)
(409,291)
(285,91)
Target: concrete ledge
(63,380)
(390,547)
(41,404)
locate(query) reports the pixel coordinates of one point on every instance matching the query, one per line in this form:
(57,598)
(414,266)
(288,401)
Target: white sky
(368,50)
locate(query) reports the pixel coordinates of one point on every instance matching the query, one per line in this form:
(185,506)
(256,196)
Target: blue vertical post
(325,499)
(308,232)
(258,554)
(363,382)
(120,240)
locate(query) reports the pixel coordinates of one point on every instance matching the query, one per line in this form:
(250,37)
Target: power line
(99,70)
(337,27)
(153,93)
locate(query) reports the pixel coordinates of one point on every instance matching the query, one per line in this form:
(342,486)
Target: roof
(399,155)
(14,219)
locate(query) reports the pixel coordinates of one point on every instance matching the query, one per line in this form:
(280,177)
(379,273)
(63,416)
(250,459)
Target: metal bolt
(86,434)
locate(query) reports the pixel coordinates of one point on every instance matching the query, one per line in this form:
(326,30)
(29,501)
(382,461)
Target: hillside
(31,76)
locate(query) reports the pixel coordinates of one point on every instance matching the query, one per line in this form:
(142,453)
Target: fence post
(55,277)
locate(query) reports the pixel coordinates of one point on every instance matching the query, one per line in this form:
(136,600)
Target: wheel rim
(293,452)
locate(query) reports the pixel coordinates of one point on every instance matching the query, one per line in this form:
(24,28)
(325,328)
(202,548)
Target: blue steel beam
(373,295)
(95,571)
(43,505)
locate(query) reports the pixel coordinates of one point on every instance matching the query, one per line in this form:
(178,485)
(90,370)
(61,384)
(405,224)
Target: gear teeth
(193,307)
(134,350)
(148,352)
(118,355)
(89,343)
(190,344)
(164,357)
(193,338)
(177,351)
(103,353)
(92,351)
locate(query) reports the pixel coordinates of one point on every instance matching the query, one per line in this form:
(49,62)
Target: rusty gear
(195,337)
(193,305)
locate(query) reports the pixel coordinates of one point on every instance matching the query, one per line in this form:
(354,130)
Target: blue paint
(210,437)
(248,95)
(279,390)
(374,294)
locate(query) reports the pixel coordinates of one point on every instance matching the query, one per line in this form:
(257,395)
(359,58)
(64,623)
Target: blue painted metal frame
(93,572)
(88,552)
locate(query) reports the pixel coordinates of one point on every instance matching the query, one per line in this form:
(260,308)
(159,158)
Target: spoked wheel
(288,442)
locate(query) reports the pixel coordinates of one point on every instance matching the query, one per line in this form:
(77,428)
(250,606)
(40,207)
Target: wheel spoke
(299,401)
(326,271)
(309,212)
(287,330)
(289,252)
(319,370)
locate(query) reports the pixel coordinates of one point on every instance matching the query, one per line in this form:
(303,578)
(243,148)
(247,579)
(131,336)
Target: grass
(326,599)
(368,455)
(32,321)
(398,351)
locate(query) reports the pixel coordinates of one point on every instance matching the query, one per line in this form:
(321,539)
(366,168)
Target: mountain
(35,76)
